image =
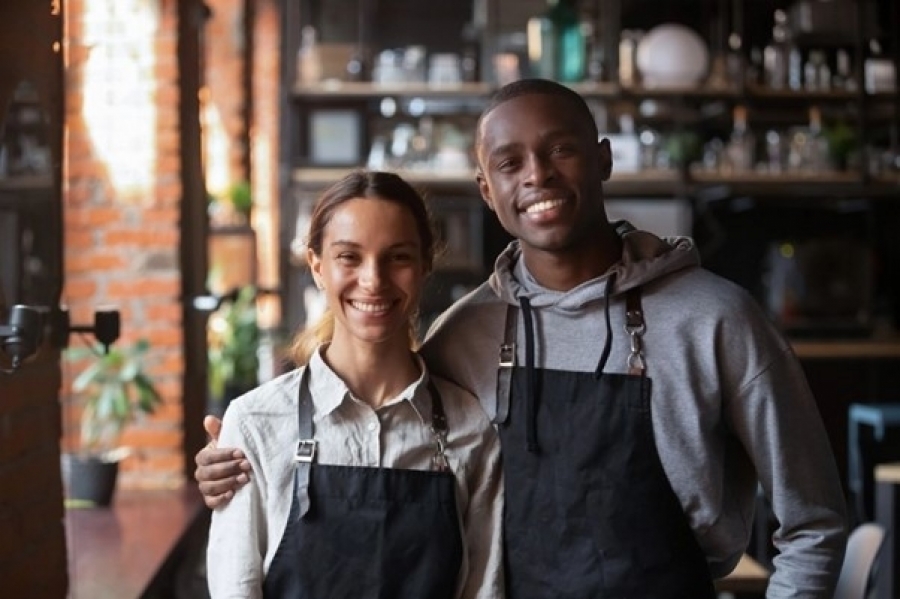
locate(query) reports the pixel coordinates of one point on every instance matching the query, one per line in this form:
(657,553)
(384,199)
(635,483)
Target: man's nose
(539,170)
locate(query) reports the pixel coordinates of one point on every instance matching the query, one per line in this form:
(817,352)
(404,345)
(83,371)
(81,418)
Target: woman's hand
(220,472)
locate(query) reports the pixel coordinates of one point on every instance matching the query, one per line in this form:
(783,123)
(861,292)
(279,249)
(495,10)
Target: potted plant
(233,352)
(116,392)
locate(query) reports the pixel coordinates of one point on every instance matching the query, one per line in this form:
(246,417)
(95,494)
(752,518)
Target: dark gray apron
(589,511)
(368,533)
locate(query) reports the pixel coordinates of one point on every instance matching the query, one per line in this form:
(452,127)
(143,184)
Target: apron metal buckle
(507,355)
(306,451)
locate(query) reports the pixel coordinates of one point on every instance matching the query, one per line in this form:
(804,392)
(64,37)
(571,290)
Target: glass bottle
(309,62)
(556,45)
(816,144)
(741,147)
(775,55)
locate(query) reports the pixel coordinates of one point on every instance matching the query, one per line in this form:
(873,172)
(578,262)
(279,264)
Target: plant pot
(89,478)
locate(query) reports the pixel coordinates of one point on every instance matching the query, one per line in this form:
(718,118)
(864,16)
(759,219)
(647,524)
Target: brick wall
(122,182)
(264,144)
(223,97)
(122,193)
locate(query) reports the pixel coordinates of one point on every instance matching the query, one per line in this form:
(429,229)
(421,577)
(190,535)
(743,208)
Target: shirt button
(372,426)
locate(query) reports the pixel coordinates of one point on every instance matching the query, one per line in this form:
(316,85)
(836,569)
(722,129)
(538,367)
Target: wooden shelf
(862,349)
(657,183)
(26,183)
(368,89)
(315,178)
(344,89)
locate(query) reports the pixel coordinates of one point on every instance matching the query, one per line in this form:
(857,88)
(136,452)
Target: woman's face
(371,270)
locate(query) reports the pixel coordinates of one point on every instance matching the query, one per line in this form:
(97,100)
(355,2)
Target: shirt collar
(329,391)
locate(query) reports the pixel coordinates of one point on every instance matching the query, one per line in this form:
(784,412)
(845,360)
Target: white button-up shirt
(245,534)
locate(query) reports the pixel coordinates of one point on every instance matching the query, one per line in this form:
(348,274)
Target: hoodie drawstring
(530,379)
(607,345)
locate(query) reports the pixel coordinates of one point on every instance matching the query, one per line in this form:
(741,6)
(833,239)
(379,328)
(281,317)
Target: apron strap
(635,327)
(438,427)
(506,364)
(306,447)
(305,455)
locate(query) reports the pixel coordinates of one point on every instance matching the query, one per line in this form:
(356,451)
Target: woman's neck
(374,373)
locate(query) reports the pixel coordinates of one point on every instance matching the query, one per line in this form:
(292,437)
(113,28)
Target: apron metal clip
(306,451)
(507,355)
(439,461)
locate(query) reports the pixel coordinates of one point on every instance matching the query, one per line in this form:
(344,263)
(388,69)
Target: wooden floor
(132,549)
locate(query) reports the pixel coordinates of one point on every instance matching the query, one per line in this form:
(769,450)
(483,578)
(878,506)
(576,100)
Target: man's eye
(561,149)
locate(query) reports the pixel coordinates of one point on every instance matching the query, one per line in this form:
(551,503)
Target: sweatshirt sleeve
(483,521)
(236,547)
(777,420)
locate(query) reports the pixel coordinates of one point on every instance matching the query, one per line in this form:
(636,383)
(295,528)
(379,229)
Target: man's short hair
(525,87)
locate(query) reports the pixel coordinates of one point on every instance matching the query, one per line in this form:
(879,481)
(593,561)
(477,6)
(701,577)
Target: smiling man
(639,397)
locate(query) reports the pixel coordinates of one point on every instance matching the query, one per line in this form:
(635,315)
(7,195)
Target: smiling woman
(370,474)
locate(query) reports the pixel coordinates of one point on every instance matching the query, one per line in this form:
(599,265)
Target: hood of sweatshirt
(645,257)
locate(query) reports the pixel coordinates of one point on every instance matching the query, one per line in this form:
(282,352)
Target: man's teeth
(544,205)
(370,307)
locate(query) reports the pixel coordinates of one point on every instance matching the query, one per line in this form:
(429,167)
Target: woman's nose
(370,276)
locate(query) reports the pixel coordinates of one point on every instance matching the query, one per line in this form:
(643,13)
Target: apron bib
(367,533)
(589,512)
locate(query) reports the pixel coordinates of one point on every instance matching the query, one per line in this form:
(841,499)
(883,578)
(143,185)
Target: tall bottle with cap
(556,43)
(309,61)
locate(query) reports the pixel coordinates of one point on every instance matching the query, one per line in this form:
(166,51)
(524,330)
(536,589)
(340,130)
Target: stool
(887,502)
(883,418)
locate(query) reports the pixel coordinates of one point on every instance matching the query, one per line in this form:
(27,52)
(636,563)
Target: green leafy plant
(241,198)
(233,344)
(116,392)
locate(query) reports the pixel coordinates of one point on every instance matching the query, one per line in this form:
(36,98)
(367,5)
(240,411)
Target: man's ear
(606,160)
(484,189)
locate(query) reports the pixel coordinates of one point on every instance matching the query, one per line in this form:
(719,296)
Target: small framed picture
(335,137)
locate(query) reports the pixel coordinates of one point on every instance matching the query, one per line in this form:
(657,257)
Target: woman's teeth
(370,307)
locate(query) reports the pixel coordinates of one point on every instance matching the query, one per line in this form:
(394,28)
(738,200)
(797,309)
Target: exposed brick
(76,289)
(96,261)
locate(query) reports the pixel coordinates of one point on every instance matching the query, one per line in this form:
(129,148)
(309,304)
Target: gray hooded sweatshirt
(730,406)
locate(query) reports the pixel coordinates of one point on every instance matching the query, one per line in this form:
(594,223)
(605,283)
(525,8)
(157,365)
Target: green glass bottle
(556,44)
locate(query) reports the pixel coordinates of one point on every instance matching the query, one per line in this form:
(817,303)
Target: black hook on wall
(106,328)
(21,338)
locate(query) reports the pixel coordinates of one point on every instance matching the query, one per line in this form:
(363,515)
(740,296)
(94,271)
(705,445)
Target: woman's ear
(315,266)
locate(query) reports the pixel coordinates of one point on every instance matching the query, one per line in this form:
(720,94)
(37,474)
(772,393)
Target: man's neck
(563,271)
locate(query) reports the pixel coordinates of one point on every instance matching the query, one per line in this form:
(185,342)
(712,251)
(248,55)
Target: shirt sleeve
(237,535)
(483,522)
(777,420)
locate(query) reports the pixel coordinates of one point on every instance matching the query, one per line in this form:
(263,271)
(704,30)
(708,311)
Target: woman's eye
(346,258)
(402,257)
(506,165)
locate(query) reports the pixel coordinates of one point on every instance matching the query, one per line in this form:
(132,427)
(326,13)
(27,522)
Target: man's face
(541,170)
